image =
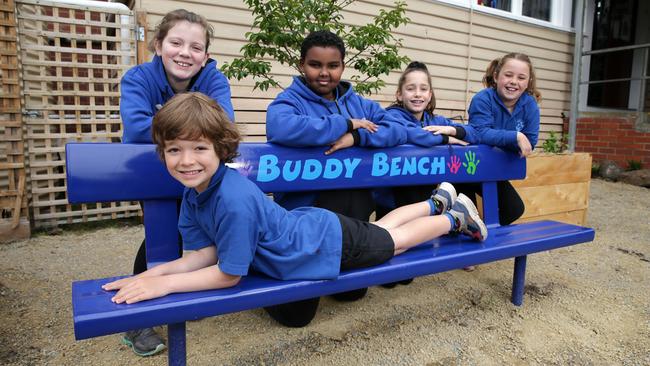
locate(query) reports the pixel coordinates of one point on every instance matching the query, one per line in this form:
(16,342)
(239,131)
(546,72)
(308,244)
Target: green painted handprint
(471,164)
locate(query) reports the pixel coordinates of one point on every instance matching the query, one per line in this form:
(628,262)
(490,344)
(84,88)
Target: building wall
(613,137)
(455,43)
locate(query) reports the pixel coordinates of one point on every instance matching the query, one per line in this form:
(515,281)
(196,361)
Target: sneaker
(466,214)
(144,342)
(444,196)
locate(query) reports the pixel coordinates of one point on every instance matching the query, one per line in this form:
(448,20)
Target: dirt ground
(584,305)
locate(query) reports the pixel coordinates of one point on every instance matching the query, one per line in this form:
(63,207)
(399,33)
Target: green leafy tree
(281,25)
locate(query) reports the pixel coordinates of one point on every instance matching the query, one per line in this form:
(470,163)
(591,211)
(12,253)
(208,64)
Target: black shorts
(364,244)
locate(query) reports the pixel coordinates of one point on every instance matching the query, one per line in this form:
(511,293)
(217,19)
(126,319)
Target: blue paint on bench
(112,172)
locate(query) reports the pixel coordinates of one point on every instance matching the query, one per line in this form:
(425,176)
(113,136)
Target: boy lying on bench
(226,220)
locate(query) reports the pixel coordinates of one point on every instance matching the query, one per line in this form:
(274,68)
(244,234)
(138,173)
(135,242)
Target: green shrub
(555,144)
(595,169)
(634,165)
(279,26)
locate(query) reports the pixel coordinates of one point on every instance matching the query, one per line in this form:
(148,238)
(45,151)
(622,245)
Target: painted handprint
(471,164)
(454,165)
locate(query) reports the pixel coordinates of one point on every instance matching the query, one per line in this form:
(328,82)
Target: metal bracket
(140,35)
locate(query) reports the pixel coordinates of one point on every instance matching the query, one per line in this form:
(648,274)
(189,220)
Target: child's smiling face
(415,93)
(183,53)
(191,162)
(512,81)
(322,68)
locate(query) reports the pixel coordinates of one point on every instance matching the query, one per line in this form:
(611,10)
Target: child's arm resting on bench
(195,271)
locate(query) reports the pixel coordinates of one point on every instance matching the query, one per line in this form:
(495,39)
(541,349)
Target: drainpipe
(575,77)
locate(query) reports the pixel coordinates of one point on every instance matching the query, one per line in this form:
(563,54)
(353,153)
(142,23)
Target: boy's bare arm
(194,272)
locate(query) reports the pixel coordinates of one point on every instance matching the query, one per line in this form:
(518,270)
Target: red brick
(617,133)
(606,150)
(633,146)
(607,125)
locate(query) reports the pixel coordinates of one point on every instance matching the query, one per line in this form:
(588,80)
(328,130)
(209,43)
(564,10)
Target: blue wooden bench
(117,172)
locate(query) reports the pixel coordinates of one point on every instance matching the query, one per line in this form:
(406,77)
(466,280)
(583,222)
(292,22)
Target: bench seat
(94,314)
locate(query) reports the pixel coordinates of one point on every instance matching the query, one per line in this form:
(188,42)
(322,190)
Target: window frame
(636,102)
(561,12)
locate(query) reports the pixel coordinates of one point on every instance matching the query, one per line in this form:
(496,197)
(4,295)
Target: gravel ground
(584,305)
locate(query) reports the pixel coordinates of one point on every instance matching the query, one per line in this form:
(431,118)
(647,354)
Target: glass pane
(538,9)
(496,4)
(614,26)
(609,95)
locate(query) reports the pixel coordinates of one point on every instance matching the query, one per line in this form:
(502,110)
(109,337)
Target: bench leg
(176,354)
(518,281)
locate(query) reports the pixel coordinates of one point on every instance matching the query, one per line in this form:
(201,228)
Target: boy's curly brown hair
(190,116)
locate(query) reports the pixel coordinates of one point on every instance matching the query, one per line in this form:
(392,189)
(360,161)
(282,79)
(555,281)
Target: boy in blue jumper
(231,227)
(319,109)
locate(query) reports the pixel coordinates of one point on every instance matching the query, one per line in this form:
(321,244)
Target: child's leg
(442,198)
(418,231)
(404,214)
(463,217)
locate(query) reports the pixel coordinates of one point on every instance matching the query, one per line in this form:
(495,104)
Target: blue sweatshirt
(495,124)
(417,136)
(299,117)
(144,89)
(251,232)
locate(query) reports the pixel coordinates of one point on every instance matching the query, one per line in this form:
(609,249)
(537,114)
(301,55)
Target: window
(617,61)
(496,4)
(549,13)
(538,9)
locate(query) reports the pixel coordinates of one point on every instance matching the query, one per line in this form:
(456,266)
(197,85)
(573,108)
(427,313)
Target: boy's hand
(364,123)
(441,130)
(455,141)
(524,145)
(138,289)
(116,285)
(344,141)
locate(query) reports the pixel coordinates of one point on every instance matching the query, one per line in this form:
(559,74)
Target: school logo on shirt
(520,125)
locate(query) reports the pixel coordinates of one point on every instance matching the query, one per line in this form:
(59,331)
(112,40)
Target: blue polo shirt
(495,124)
(252,232)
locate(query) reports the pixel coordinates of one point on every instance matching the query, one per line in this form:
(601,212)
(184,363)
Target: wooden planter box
(556,187)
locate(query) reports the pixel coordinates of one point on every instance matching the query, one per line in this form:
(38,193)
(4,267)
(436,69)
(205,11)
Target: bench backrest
(103,172)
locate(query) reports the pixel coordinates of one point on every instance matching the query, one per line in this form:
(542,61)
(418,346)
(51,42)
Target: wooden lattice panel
(14,222)
(73,58)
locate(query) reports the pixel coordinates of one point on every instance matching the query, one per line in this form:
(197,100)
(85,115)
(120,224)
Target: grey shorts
(364,244)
